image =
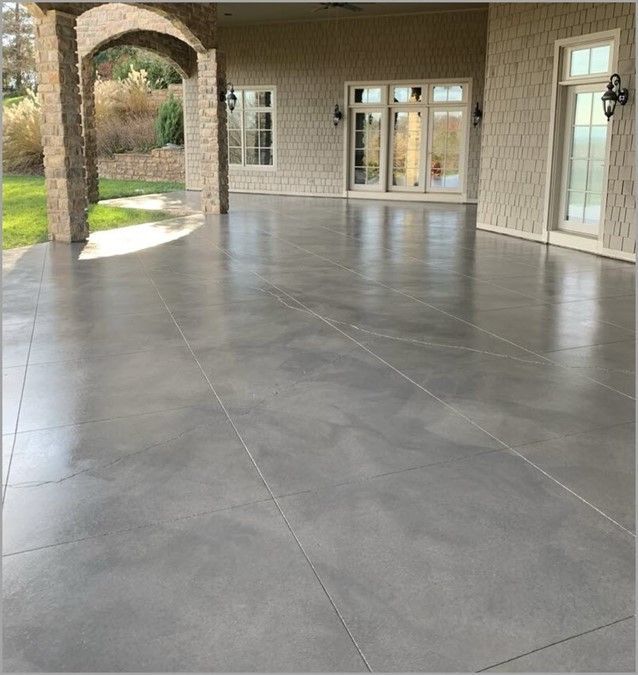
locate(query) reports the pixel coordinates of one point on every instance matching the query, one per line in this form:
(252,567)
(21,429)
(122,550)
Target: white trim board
(562,239)
(520,234)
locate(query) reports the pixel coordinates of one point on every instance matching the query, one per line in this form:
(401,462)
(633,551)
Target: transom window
(589,60)
(251,128)
(444,93)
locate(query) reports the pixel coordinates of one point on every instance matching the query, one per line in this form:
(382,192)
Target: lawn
(24,218)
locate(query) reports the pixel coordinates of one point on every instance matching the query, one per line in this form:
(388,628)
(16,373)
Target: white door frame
(551,203)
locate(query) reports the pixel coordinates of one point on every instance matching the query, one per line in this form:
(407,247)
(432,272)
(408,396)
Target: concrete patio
(317,435)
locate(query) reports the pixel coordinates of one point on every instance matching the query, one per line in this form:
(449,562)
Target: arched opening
(121,117)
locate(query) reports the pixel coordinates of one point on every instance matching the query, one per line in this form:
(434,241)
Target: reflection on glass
(407,94)
(258,138)
(445,149)
(367,95)
(589,61)
(579,62)
(406,149)
(586,168)
(442,93)
(367,147)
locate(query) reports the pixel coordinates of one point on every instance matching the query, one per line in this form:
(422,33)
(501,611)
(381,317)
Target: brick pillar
(213,140)
(59,92)
(192,149)
(87,80)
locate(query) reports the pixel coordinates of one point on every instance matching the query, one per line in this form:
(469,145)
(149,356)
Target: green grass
(24,218)
(11,100)
(110,189)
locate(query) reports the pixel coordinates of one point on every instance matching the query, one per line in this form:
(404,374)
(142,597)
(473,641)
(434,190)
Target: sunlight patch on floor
(125,240)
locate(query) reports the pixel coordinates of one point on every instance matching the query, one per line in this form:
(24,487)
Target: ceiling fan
(338,5)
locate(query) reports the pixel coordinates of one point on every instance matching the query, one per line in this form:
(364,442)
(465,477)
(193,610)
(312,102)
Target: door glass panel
(578,178)
(406,148)
(585,164)
(447,127)
(367,147)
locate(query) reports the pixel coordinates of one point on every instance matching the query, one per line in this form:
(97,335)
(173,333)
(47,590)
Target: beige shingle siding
(309,64)
(516,123)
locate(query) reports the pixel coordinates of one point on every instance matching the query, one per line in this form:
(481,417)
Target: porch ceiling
(236,13)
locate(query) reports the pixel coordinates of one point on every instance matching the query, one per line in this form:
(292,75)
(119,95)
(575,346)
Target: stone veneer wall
(159,164)
(516,122)
(309,64)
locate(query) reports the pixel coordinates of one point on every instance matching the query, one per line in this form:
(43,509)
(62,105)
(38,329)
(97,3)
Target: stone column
(213,140)
(61,126)
(87,80)
(192,149)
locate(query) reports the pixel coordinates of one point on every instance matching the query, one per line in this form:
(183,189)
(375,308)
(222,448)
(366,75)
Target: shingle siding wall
(309,64)
(516,123)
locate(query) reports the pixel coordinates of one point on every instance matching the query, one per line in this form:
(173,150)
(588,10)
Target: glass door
(446,142)
(367,171)
(406,149)
(584,162)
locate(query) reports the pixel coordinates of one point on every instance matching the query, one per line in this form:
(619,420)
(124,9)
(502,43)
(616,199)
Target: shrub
(21,139)
(170,122)
(125,114)
(160,73)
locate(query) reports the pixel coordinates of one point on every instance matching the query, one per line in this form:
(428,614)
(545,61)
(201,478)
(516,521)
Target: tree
(18,50)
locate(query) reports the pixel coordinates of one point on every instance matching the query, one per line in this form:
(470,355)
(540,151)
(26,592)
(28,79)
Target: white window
(251,128)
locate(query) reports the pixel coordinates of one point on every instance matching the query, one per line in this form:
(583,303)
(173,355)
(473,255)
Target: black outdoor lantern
(228,96)
(614,94)
(337,115)
(477,115)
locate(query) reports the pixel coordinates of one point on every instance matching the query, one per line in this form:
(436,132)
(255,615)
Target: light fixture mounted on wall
(228,96)
(477,115)
(337,115)
(614,94)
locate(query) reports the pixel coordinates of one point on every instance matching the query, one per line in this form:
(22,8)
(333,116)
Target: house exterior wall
(517,117)
(309,63)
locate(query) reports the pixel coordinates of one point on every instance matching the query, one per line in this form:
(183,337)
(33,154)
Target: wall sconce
(228,97)
(614,94)
(477,115)
(337,115)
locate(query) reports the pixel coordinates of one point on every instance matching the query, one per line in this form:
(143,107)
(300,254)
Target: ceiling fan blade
(352,8)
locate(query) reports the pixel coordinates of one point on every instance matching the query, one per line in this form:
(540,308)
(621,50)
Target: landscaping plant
(170,122)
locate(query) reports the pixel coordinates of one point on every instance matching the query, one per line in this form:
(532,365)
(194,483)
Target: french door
(584,162)
(410,139)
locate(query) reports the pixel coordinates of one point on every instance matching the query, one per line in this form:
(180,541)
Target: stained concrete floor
(317,435)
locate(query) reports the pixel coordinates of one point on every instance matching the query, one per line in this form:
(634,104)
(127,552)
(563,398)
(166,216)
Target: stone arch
(68,33)
(178,53)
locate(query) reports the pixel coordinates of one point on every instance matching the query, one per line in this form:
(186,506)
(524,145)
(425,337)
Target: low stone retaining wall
(159,164)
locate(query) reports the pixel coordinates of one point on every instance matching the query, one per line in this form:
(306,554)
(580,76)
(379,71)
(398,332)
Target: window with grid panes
(251,128)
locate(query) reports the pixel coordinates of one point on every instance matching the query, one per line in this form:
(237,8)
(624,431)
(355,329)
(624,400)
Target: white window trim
(553,183)
(426,193)
(273,110)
